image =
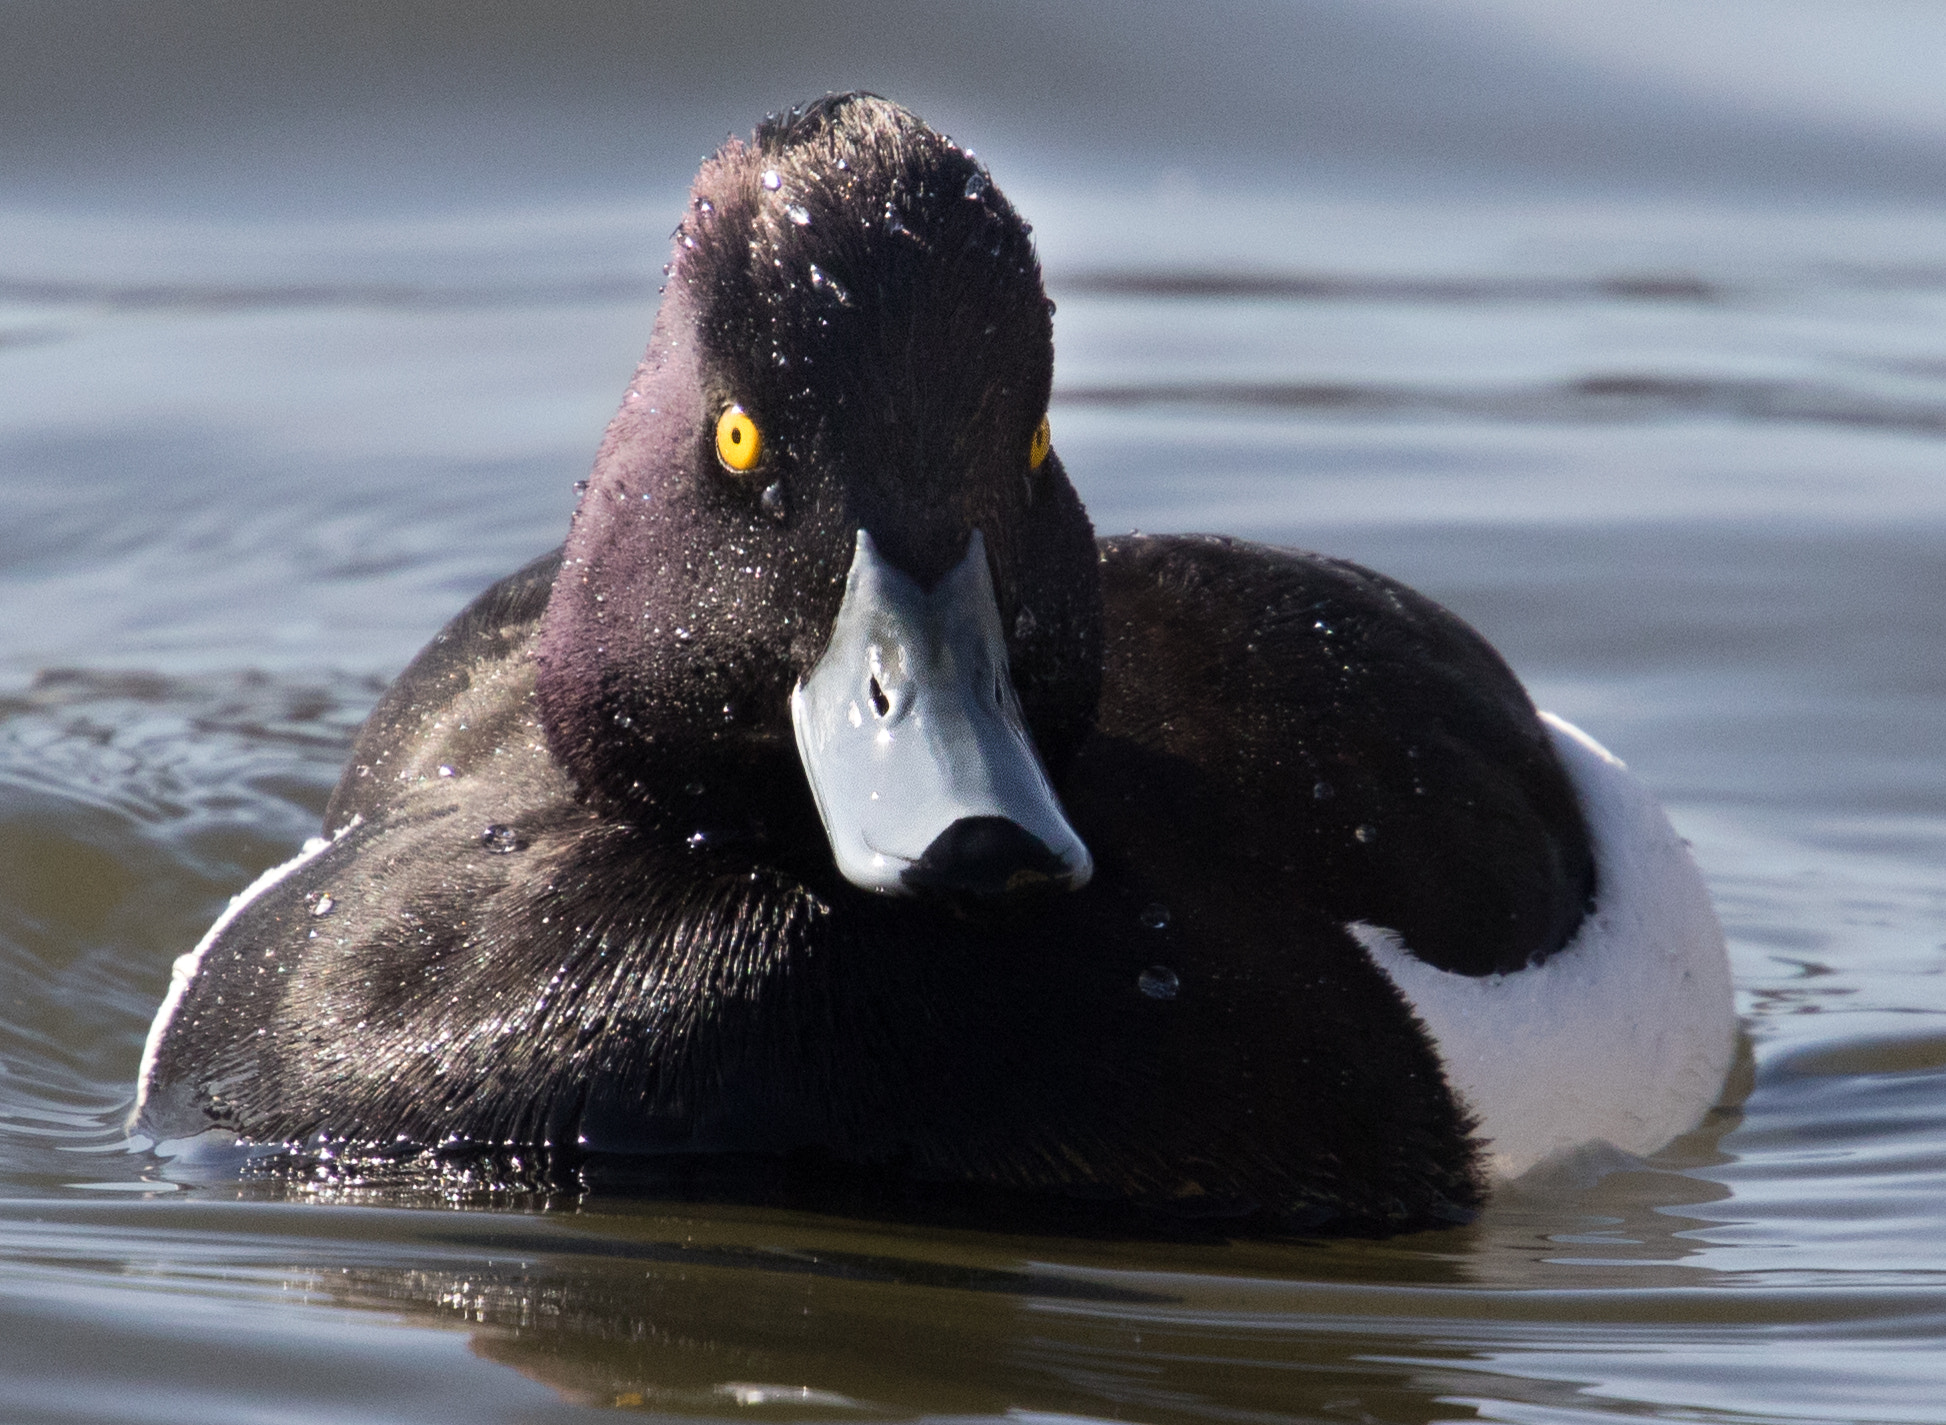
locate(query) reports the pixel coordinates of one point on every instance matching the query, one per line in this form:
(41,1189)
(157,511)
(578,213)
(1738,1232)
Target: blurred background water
(1622,330)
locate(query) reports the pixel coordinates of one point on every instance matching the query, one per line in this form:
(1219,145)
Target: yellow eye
(1042,442)
(739,443)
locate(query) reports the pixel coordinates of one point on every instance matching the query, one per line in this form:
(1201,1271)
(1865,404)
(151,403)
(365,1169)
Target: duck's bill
(914,743)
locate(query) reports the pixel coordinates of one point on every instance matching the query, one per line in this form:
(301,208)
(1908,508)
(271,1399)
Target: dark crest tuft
(802,121)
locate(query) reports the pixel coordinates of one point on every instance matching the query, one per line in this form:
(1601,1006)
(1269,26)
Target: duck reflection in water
(709,1311)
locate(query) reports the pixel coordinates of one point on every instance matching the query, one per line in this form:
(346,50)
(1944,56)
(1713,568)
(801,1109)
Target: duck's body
(595,877)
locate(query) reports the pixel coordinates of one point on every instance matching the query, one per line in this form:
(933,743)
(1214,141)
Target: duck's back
(464,705)
(275,1021)
(1348,737)
(1327,731)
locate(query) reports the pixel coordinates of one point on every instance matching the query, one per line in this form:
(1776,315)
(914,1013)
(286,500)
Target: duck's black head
(843,405)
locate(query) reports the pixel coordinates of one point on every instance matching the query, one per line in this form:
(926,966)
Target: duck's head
(827,555)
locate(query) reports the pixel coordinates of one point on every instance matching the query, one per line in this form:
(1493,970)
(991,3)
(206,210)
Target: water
(1647,382)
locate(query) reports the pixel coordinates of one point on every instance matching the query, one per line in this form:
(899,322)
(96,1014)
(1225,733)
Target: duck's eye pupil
(739,443)
(1039,446)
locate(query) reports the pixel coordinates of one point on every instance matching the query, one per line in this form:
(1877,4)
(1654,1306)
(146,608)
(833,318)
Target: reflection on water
(1679,456)
(1569,1289)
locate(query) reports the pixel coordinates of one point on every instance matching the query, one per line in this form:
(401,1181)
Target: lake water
(270,413)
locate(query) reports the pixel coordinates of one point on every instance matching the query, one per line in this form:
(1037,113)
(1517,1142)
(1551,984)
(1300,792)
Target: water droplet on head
(703,205)
(976,185)
(1366,832)
(894,224)
(689,242)
(324,904)
(825,282)
(697,840)
(798,214)
(775,504)
(1159,982)
(1323,792)
(1321,626)
(694,789)
(683,635)
(1154,916)
(446,769)
(771,180)
(501,839)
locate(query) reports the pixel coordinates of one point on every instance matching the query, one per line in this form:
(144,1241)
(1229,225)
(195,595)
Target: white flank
(186,965)
(1624,1035)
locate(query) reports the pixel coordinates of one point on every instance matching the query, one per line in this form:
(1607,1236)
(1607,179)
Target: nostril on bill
(986,856)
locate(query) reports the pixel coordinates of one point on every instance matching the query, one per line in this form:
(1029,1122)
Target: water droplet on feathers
(502,840)
(824,282)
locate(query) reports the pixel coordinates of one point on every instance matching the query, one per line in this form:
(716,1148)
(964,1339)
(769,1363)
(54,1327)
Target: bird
(834,806)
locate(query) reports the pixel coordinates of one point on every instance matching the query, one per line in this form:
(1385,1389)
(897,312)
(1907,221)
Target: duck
(833,796)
